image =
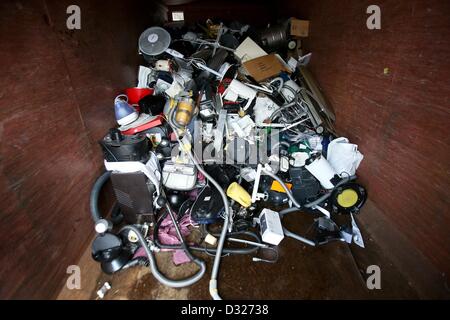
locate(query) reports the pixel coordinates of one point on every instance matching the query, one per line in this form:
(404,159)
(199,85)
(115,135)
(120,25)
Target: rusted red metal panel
(57,88)
(400,119)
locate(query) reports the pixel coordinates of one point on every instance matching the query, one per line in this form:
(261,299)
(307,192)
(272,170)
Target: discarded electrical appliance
(225,136)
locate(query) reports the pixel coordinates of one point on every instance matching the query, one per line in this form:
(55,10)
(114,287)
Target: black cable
(273,260)
(139,261)
(105,147)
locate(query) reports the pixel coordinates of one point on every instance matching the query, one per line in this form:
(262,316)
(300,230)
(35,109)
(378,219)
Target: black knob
(164,142)
(115,134)
(161,201)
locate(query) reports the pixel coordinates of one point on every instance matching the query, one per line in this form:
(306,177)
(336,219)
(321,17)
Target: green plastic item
(293,149)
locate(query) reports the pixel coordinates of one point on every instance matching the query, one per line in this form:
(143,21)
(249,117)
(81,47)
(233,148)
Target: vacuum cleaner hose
(154,268)
(213,291)
(95,193)
(288,233)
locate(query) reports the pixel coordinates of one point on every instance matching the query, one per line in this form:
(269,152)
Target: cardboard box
(299,28)
(264,67)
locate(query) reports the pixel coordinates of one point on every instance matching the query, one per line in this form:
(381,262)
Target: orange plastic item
(276,186)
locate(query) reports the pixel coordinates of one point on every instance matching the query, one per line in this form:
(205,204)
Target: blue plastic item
(125,114)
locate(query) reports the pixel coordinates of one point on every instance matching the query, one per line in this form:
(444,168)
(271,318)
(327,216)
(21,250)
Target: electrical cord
(210,42)
(274,260)
(139,261)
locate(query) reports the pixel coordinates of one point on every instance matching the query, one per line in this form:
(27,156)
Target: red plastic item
(151,124)
(136,94)
(223,85)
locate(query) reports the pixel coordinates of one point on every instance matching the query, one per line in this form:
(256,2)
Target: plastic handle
(174,53)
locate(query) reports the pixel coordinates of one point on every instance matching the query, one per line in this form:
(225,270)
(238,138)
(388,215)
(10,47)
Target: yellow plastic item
(184,112)
(347,198)
(172,103)
(239,194)
(276,186)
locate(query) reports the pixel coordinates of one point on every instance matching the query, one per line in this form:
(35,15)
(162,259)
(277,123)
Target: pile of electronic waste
(225,133)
